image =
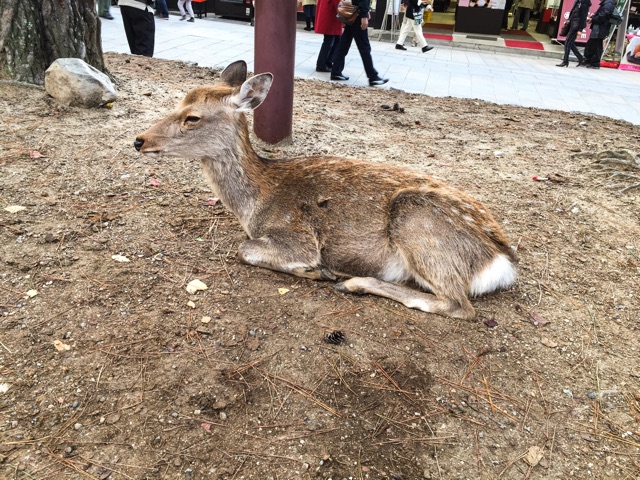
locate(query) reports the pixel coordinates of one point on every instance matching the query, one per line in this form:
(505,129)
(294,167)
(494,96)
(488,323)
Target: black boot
(308,27)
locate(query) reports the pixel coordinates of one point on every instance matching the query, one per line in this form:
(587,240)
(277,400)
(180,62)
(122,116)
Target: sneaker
(184,17)
(165,18)
(378,81)
(107,15)
(426,48)
(191,20)
(325,70)
(400,47)
(339,77)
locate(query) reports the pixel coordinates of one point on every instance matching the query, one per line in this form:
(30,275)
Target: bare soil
(107,370)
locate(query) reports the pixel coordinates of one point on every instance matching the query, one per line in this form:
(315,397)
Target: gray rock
(73,82)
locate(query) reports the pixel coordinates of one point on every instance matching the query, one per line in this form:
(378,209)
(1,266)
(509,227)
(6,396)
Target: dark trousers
(593,51)
(350,33)
(309,14)
(161,7)
(140,29)
(570,45)
(327,51)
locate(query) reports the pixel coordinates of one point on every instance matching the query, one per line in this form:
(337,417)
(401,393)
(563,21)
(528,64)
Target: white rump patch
(394,270)
(497,275)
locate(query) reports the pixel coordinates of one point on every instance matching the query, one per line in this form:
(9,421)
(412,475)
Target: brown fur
(382,227)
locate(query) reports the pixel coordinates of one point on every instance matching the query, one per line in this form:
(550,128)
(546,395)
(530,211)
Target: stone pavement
(504,76)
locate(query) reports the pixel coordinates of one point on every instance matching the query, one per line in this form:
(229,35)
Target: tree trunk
(34,33)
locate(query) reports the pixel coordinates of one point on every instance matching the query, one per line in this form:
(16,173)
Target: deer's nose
(138,143)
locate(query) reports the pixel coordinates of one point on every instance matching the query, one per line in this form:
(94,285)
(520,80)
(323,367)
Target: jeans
(350,33)
(327,51)
(161,7)
(570,45)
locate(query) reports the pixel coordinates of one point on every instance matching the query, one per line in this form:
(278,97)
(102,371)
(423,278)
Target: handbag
(564,31)
(347,12)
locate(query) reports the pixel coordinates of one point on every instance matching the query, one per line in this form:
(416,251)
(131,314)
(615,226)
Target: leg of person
(516,17)
(364,48)
(145,32)
(127,21)
(574,49)
(307,17)
(525,22)
(597,53)
(161,6)
(183,12)
(341,52)
(313,16)
(571,36)
(190,11)
(323,55)
(419,36)
(405,29)
(332,51)
(589,51)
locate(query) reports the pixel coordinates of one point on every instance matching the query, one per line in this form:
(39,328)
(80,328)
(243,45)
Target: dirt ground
(111,369)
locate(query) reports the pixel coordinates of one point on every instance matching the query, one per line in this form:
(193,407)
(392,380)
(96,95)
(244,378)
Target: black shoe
(308,29)
(378,81)
(108,16)
(400,47)
(426,48)
(329,65)
(325,70)
(593,66)
(191,20)
(339,77)
(563,64)
(581,63)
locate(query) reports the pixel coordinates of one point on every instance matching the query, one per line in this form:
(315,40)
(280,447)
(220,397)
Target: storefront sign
(567,5)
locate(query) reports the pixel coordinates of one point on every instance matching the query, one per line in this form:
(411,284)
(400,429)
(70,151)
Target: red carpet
(517,33)
(520,44)
(437,36)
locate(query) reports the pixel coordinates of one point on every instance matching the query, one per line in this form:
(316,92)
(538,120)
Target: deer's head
(209,119)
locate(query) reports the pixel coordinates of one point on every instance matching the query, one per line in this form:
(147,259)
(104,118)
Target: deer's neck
(236,174)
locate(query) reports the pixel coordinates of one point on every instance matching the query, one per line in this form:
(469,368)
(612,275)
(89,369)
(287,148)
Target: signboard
(567,5)
(631,58)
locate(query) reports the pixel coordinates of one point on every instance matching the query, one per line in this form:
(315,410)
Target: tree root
(612,161)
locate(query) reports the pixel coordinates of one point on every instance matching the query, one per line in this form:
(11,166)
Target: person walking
(523,6)
(599,31)
(328,25)
(183,12)
(577,21)
(139,26)
(359,32)
(309,8)
(412,23)
(104,7)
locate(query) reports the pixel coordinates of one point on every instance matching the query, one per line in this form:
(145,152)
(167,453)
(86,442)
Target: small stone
(223,416)
(592,395)
(75,404)
(77,426)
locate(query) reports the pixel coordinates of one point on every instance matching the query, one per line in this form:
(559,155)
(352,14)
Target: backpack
(616,17)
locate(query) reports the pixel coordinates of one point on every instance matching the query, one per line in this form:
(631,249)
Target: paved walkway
(503,76)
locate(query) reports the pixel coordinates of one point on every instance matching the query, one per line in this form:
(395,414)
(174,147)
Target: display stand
(391,18)
(486,21)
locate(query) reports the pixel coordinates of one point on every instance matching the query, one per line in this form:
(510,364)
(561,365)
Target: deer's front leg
(285,254)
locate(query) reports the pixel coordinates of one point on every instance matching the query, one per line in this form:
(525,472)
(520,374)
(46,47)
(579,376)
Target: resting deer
(385,229)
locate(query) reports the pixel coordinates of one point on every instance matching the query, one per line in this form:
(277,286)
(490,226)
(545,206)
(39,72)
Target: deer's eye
(192,119)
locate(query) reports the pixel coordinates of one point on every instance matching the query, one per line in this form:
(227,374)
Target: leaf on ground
(35,154)
(537,319)
(282,291)
(206,426)
(15,208)
(491,323)
(60,346)
(533,455)
(195,286)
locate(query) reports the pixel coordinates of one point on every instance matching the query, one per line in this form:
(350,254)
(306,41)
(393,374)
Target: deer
(373,228)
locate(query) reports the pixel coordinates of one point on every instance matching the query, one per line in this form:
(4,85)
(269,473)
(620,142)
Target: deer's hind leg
(409,297)
(281,251)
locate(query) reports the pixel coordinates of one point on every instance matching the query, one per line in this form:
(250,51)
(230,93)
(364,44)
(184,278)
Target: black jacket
(578,15)
(600,21)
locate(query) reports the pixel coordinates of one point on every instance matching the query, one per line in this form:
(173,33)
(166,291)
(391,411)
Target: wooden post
(275,45)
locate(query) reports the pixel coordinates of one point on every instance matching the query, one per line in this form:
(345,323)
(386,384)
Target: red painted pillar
(275,45)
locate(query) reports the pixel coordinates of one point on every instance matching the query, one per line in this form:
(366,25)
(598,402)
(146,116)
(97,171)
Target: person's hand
(364,23)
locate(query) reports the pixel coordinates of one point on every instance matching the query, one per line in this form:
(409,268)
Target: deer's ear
(235,73)
(253,92)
